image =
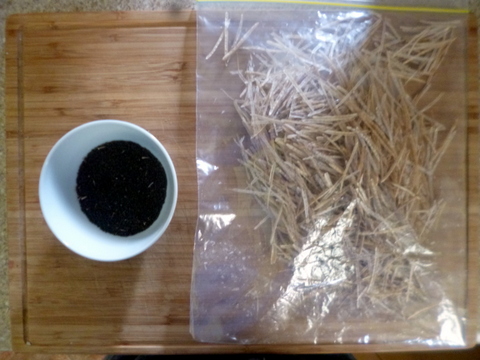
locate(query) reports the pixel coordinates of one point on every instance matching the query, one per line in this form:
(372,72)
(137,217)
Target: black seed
(121,187)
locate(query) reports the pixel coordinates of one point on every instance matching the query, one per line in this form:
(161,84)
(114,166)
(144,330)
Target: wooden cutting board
(67,69)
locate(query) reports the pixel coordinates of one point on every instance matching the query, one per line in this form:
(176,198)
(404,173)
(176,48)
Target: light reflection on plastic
(356,14)
(344,16)
(205,167)
(351,33)
(451,329)
(218,221)
(365,340)
(321,36)
(321,263)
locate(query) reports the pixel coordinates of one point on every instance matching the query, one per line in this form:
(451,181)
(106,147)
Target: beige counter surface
(8,7)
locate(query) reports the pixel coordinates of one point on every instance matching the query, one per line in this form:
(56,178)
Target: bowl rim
(169,167)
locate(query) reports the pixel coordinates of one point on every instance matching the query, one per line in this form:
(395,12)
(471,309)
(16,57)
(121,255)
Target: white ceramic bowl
(58,197)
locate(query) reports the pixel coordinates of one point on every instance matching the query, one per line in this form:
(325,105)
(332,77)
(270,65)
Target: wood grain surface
(66,69)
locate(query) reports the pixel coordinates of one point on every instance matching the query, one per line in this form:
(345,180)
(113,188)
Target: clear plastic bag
(331,167)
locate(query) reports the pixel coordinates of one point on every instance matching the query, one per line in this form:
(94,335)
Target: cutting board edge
(14,229)
(205,348)
(72,20)
(473,181)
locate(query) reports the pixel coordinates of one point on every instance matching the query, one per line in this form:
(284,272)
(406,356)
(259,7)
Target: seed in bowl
(121,187)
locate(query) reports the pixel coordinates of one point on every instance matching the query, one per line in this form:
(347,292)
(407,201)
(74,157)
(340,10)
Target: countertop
(9,7)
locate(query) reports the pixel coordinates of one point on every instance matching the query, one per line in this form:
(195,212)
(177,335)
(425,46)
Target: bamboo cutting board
(64,70)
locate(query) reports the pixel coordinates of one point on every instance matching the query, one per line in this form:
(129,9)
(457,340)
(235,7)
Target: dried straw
(332,127)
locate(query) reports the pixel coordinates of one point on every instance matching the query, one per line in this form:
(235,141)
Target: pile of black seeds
(121,187)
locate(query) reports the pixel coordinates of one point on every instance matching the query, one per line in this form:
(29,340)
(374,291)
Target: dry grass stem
(333,127)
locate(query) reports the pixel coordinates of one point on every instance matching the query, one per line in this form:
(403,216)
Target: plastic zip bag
(332,176)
